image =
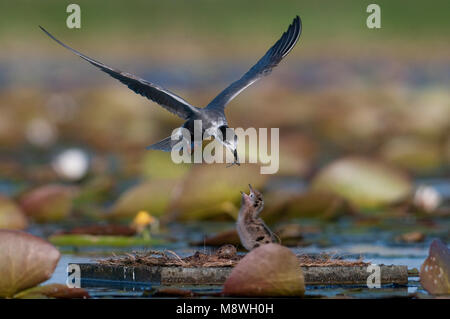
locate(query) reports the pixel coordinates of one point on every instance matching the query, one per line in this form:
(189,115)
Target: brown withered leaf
(25,262)
(11,216)
(435,271)
(364,182)
(48,203)
(225,237)
(268,271)
(101,230)
(53,291)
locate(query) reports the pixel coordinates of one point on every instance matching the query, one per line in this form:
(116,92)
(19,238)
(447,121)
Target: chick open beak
(251,189)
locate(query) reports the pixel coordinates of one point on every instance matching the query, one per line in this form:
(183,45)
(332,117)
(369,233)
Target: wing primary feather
(263,67)
(170,101)
(286,40)
(298,30)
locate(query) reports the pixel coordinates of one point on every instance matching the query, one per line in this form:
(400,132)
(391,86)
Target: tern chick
(213,120)
(252,230)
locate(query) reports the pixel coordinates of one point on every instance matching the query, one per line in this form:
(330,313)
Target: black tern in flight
(213,120)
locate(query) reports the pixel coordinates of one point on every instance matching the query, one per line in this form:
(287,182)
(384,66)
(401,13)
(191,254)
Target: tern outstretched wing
(264,66)
(168,100)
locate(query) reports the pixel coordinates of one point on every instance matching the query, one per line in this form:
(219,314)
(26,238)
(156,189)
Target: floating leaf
(109,230)
(297,154)
(113,241)
(411,237)
(268,271)
(316,205)
(48,203)
(212,191)
(11,217)
(417,155)
(99,125)
(96,190)
(364,182)
(225,237)
(25,262)
(159,165)
(435,271)
(53,291)
(290,234)
(152,196)
(311,204)
(431,121)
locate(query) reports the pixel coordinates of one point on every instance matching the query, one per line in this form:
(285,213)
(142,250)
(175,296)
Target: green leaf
(48,202)
(435,271)
(152,196)
(364,182)
(11,216)
(25,261)
(270,270)
(92,240)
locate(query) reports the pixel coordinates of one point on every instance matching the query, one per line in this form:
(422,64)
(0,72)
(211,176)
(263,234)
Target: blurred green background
(344,90)
(364,119)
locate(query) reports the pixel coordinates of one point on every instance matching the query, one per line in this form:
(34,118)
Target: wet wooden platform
(168,276)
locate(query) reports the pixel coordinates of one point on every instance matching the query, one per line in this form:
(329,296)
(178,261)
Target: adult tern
(212,117)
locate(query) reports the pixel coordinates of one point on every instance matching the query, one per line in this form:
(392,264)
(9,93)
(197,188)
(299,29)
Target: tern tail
(163,145)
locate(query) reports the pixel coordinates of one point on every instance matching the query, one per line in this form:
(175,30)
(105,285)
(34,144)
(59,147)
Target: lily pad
(11,216)
(310,204)
(316,204)
(364,182)
(223,238)
(53,291)
(411,237)
(97,190)
(99,125)
(435,271)
(297,154)
(48,203)
(417,155)
(289,234)
(212,191)
(96,241)
(152,196)
(431,121)
(160,165)
(25,262)
(96,230)
(268,271)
